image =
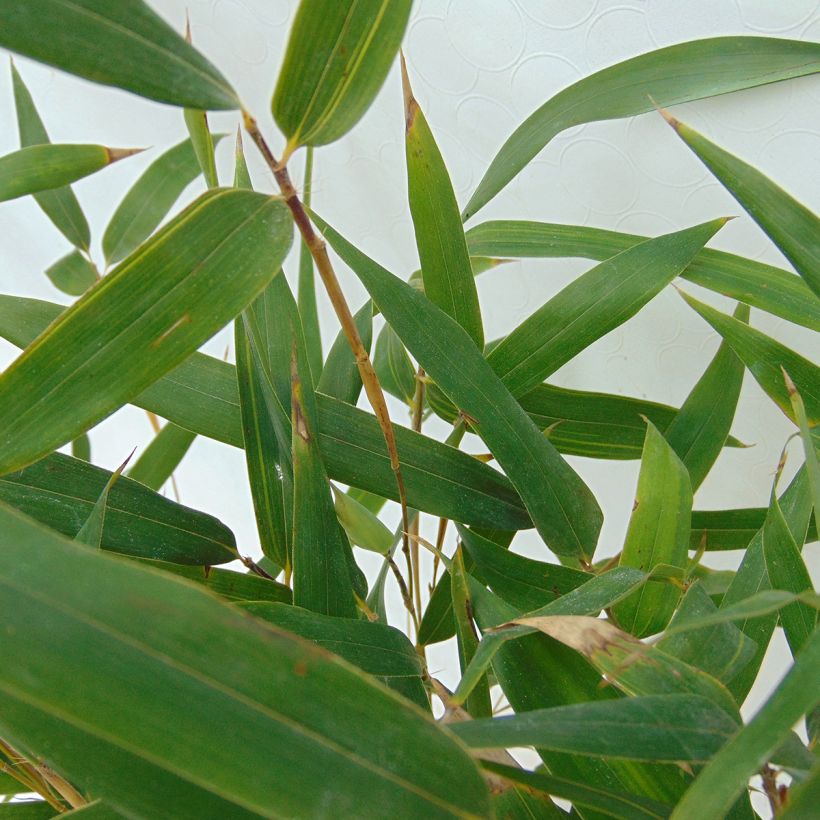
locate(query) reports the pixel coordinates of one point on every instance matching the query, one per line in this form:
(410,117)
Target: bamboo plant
(151,667)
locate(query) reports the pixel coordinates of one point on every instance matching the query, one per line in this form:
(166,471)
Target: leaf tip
(411,107)
(116,154)
(790,386)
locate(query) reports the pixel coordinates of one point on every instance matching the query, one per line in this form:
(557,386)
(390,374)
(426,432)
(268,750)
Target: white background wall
(478,67)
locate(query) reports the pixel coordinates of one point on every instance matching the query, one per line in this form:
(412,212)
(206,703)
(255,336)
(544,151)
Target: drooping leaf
(377,649)
(201,395)
(727,774)
(669,76)
(45,167)
(176,656)
(658,534)
(61,491)
(306,286)
(699,430)
(148,201)
(60,205)
(592,305)
(560,504)
(73,274)
(162,456)
(363,528)
(762,286)
(140,321)
(124,44)
(393,365)
(766,359)
(340,373)
(787,222)
(337,58)
(448,277)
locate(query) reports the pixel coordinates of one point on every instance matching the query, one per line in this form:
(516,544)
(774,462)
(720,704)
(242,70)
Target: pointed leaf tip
(410,104)
(116,154)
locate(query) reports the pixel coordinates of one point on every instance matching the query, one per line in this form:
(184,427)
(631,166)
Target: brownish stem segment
(318,251)
(415,569)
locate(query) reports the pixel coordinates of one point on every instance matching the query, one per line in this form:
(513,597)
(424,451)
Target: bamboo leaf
(671,75)
(61,491)
(448,277)
(73,274)
(59,205)
(201,395)
(306,287)
(149,200)
(731,529)
(393,365)
(340,373)
(766,358)
(94,811)
(337,58)
(202,141)
(726,775)
(363,528)
(162,456)
(658,534)
(81,447)
(595,303)
(91,531)
(561,505)
(175,655)
(376,649)
(653,728)
(519,804)
(124,44)
(787,222)
(140,321)
(810,445)
(803,797)
(44,167)
(772,289)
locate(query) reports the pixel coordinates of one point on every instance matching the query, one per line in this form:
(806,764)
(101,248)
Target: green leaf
(176,656)
(519,804)
(30,810)
(60,205)
(44,167)
(94,811)
(91,532)
(700,429)
(196,122)
(340,373)
(584,793)
(658,534)
(803,797)
(162,456)
(377,649)
(592,305)
(561,505)
(787,222)
(671,75)
(140,321)
(337,58)
(241,175)
(766,358)
(762,286)
(363,528)
(149,200)
(61,491)
(810,445)
(201,395)
(726,775)
(448,277)
(393,365)
(654,728)
(81,447)
(124,44)
(73,274)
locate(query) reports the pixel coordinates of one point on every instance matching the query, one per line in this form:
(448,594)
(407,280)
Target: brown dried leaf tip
(582,633)
(411,107)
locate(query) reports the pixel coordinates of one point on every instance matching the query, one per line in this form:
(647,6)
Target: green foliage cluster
(140,678)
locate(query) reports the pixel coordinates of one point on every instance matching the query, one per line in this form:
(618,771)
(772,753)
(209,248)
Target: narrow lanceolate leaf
(124,44)
(81,447)
(320,576)
(340,374)
(762,286)
(43,167)
(700,429)
(377,649)
(658,534)
(140,321)
(149,200)
(241,175)
(788,223)
(445,262)
(176,656)
(203,144)
(60,492)
(60,205)
(726,775)
(74,274)
(595,303)
(811,443)
(393,365)
(655,728)
(669,76)
(766,359)
(162,456)
(306,286)
(561,506)
(91,531)
(731,529)
(337,58)
(363,528)
(201,395)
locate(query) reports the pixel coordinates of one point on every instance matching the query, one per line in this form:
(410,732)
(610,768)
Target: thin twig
(415,569)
